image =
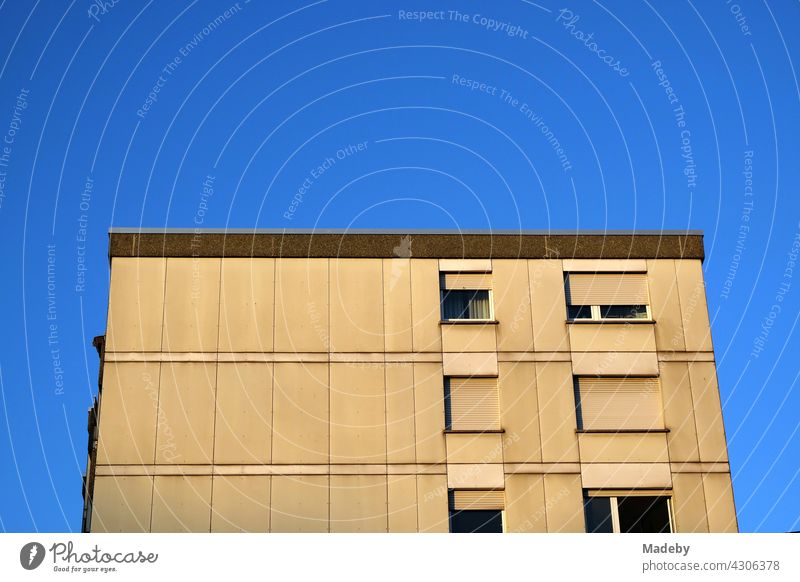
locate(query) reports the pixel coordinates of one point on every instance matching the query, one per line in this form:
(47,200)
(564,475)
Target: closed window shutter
(474,404)
(476,499)
(470,281)
(607,289)
(620,403)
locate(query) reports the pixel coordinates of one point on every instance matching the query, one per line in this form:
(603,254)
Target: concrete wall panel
(512,305)
(470,364)
(665,304)
(240,503)
(397,305)
(186,413)
(247,305)
(301,305)
(615,364)
(676,393)
(557,412)
(122,504)
(359,503)
(475,476)
(625,475)
(458,337)
(402,503)
(425,305)
(300,413)
(400,430)
(135,304)
(624,448)
(519,412)
(129,411)
(356,296)
(694,311)
(243,425)
(549,306)
(182,504)
(191,307)
(564,503)
(525,504)
(299,504)
(433,514)
(474,448)
(429,413)
(719,503)
(612,337)
(708,412)
(358,421)
(688,503)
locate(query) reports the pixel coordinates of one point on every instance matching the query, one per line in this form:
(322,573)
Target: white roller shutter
(468,281)
(607,289)
(477,499)
(620,403)
(474,404)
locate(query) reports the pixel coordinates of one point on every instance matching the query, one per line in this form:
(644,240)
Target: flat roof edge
(418,244)
(433,231)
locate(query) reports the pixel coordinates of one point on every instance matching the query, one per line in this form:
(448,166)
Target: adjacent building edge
(91,427)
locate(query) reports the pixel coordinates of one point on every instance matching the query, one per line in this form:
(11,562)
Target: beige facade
(279,392)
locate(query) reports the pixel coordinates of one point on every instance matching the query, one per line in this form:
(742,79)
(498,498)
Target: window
(476,511)
(627,514)
(471,404)
(618,403)
(466,296)
(599,296)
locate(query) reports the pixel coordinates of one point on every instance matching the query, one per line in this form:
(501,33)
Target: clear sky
(506,115)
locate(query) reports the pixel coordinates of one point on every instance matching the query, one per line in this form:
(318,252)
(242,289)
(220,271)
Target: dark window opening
(448,406)
(579,311)
(460,304)
(643,515)
(623,312)
(597,511)
(476,521)
(576,390)
(635,514)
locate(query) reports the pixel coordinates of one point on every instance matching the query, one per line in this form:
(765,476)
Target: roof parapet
(124,242)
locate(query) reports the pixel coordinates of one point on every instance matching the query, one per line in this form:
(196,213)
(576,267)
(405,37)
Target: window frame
(614,507)
(448,403)
(579,422)
(490,319)
(451,511)
(596,314)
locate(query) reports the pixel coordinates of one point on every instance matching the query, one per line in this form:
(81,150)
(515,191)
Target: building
(407,382)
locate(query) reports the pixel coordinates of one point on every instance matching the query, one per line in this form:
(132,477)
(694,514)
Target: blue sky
(504,115)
